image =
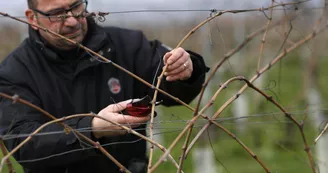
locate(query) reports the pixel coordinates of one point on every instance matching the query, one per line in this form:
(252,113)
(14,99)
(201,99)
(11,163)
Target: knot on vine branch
(224,86)
(302,124)
(15,98)
(213,12)
(97,145)
(262,9)
(288,114)
(270,98)
(129,130)
(258,73)
(67,130)
(100,16)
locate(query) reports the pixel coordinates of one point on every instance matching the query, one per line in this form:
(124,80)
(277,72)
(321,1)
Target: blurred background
(298,82)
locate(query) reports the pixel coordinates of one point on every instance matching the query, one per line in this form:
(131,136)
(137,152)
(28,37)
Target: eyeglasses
(60,15)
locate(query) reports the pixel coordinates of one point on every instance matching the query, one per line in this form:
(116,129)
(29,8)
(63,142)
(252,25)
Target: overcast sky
(17,7)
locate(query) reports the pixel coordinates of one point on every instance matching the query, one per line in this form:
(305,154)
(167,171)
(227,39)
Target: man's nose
(71,20)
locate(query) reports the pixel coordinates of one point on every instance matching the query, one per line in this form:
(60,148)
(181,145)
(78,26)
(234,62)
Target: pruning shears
(140,107)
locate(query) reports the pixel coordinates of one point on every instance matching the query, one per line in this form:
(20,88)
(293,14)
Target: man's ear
(31,17)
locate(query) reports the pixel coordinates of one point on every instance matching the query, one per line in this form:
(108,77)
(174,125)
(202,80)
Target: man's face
(71,27)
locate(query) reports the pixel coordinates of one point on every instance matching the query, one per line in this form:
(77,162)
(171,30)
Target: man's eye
(57,13)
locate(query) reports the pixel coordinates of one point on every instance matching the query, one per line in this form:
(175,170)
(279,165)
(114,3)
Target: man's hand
(179,65)
(103,128)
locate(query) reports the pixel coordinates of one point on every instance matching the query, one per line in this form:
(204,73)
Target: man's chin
(76,38)
(65,45)
(69,44)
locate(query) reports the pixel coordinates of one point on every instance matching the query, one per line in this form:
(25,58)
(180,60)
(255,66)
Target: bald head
(32,3)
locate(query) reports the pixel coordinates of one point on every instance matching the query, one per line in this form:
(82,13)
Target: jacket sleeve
(150,55)
(50,147)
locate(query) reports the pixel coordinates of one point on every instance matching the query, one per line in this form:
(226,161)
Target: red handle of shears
(138,111)
(140,107)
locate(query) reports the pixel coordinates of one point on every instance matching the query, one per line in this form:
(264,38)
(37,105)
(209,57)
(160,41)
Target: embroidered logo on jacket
(114,85)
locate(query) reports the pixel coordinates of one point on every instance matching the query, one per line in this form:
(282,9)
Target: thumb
(117,107)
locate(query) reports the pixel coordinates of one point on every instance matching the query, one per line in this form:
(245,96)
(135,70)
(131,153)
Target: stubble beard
(63,43)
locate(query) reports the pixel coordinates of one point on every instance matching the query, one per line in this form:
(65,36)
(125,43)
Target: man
(63,79)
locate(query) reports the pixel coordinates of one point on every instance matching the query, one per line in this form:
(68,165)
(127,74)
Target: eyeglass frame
(62,18)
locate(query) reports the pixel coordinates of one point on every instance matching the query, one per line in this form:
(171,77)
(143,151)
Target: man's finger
(179,76)
(132,121)
(176,71)
(182,62)
(118,106)
(176,54)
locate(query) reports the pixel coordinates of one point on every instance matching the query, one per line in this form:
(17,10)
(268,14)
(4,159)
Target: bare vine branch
(264,37)
(16,98)
(8,162)
(129,130)
(321,133)
(264,69)
(196,113)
